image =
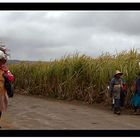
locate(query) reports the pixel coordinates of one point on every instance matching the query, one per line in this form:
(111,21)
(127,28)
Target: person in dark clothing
(116,89)
(135,101)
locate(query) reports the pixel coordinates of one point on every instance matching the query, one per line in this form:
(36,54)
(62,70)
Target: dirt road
(29,113)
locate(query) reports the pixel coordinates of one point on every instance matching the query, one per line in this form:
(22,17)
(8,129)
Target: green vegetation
(76,77)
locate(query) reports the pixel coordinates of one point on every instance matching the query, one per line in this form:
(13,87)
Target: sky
(48,35)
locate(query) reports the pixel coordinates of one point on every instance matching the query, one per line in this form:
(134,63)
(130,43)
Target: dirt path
(26,112)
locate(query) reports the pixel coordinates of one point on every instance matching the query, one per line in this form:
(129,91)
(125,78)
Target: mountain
(13,61)
(23,61)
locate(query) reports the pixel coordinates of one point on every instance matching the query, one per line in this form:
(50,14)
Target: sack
(124,88)
(9,86)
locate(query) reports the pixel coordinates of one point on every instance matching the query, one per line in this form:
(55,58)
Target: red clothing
(9,74)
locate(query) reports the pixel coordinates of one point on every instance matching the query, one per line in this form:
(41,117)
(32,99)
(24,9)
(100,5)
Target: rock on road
(29,113)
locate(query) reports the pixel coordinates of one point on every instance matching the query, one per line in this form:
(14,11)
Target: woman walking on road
(136,97)
(117,90)
(3,92)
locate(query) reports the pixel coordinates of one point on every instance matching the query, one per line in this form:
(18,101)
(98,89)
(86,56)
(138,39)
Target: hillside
(23,61)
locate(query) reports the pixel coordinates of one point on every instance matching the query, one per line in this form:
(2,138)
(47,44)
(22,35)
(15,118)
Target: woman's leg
(0,116)
(135,109)
(122,100)
(117,106)
(112,106)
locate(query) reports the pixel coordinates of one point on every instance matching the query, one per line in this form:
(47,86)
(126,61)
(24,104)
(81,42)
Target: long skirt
(135,101)
(117,103)
(3,102)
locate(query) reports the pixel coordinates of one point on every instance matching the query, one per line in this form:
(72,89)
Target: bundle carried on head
(3,55)
(4,50)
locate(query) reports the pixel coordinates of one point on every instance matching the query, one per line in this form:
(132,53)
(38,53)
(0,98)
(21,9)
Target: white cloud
(52,34)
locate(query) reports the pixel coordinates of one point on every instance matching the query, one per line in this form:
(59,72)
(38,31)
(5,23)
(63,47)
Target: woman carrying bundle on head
(4,72)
